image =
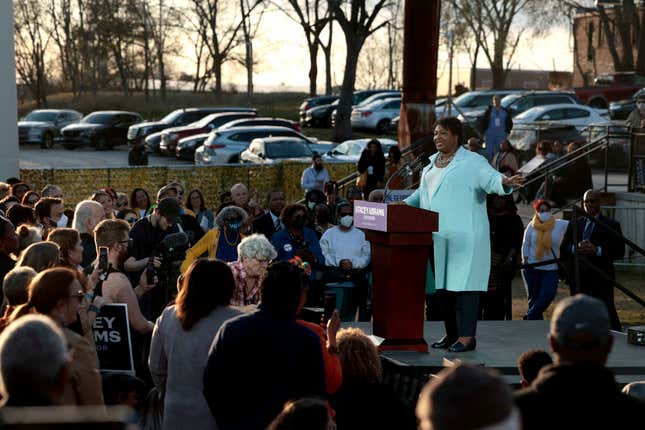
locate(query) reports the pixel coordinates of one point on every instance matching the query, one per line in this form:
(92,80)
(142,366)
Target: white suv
(377,115)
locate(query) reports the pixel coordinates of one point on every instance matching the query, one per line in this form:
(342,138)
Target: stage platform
(499,345)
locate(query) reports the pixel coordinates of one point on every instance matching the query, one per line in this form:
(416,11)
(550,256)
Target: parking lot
(32,157)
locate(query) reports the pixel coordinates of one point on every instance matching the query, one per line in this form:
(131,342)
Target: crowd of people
(216,293)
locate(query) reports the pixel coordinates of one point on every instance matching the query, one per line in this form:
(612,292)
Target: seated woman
(228,225)
(254,254)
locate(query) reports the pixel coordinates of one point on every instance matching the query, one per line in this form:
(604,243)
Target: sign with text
(112,337)
(397,195)
(370,215)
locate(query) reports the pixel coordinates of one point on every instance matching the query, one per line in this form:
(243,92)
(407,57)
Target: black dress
(375,168)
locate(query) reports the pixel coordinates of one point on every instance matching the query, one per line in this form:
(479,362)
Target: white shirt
(313,179)
(529,245)
(350,245)
(276,221)
(432,179)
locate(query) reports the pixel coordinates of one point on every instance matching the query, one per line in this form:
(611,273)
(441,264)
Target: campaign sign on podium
(370,215)
(112,338)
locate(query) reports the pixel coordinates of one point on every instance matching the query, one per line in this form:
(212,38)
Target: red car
(610,88)
(171,136)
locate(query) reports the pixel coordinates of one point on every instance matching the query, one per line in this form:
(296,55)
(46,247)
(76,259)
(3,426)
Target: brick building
(591,56)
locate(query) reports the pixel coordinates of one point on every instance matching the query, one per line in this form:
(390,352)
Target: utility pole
(451,39)
(8,107)
(420,52)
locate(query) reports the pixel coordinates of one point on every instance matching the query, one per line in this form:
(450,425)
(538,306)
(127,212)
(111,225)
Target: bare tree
(62,27)
(249,30)
(394,44)
(326,48)
(31,39)
(358,22)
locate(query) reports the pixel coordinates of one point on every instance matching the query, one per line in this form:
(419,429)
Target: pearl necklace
(443,160)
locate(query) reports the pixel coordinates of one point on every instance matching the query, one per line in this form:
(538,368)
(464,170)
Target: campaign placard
(111,330)
(370,215)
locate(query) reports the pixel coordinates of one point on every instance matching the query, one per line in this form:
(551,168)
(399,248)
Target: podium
(401,237)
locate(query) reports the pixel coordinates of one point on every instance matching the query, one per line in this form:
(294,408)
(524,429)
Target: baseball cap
(168,207)
(580,322)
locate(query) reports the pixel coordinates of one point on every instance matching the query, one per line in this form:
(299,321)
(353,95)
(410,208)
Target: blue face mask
(235,226)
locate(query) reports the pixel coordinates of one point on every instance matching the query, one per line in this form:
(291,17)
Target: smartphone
(330,306)
(103,258)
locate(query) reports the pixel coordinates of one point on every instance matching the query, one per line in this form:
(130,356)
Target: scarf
(543,232)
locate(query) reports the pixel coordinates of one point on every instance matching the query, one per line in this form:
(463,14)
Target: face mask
(62,222)
(346,221)
(235,226)
(311,205)
(544,216)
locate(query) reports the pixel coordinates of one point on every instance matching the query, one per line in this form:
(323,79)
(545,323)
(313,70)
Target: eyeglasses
(78,295)
(131,220)
(128,241)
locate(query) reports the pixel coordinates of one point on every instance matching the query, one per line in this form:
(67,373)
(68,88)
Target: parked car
(171,136)
(350,150)
(152,142)
(472,100)
(278,122)
(312,102)
(611,87)
(43,126)
(187,146)
(176,118)
(321,116)
(621,109)
(524,137)
(225,146)
(369,100)
(100,129)
(520,102)
(619,142)
(377,115)
(574,114)
(270,150)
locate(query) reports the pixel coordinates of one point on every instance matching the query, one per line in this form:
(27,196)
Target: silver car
(225,146)
(377,115)
(43,126)
(270,150)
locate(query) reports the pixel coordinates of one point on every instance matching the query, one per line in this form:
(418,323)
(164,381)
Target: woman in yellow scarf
(542,239)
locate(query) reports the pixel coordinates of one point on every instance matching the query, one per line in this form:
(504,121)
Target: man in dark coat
(269,222)
(597,245)
(578,391)
(259,361)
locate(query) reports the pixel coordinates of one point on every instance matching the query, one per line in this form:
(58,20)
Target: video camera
(172,248)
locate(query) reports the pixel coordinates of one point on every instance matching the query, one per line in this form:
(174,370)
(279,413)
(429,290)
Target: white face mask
(62,222)
(347,221)
(544,216)
(311,205)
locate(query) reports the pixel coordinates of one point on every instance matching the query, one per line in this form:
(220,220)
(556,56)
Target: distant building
(526,79)
(591,55)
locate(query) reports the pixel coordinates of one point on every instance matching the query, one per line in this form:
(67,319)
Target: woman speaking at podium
(455,185)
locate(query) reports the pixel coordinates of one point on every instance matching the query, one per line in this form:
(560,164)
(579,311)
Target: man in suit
(269,222)
(598,247)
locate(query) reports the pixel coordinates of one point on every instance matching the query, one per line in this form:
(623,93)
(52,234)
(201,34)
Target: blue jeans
(541,286)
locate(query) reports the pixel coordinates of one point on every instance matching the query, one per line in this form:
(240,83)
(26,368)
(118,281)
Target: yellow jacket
(208,243)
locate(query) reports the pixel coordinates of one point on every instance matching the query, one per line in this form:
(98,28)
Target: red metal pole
(420,52)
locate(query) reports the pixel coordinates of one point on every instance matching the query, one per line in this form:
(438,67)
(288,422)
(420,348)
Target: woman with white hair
(221,241)
(254,254)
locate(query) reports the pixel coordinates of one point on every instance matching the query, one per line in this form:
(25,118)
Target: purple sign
(370,215)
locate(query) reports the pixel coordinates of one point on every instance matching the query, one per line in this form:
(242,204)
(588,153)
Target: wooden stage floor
(500,344)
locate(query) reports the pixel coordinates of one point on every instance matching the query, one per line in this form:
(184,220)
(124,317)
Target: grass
(630,312)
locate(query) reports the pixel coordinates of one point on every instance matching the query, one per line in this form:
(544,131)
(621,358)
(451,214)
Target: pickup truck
(610,87)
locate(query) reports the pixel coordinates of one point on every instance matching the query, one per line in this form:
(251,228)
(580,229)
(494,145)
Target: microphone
(407,170)
(174,241)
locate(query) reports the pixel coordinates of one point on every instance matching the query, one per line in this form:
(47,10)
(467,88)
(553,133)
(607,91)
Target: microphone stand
(410,168)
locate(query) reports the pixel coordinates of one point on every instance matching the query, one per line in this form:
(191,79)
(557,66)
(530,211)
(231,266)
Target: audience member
(466,397)
(5,190)
(393,165)
(225,199)
(313,198)
(542,237)
(293,369)
(333,199)
(635,389)
(241,198)
(371,166)
(190,326)
(475,145)
(40,256)
(49,212)
(570,181)
(377,195)
(70,245)
(598,244)
(195,203)
(254,253)
(363,401)
(53,191)
(30,199)
(12,181)
(19,189)
(315,176)
(121,202)
(322,219)
(269,223)
(57,293)
(496,124)
(140,201)
(123,389)
(8,246)
(106,201)
(128,215)
(27,236)
(506,159)
(15,288)
(354,193)
(303,414)
(34,363)
(229,224)
(296,239)
(347,256)
(578,391)
(21,214)
(7,202)
(530,363)
(87,215)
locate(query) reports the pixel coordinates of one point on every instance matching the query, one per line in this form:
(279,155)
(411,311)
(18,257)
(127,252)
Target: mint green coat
(462,244)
